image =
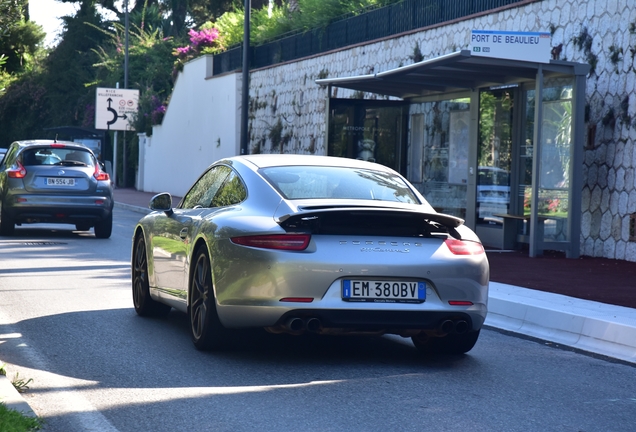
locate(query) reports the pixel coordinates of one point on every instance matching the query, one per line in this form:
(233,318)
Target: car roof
(279,160)
(48,142)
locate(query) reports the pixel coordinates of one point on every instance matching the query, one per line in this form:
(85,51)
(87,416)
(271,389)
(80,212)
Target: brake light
(100,175)
(58,145)
(464,247)
(294,242)
(17,170)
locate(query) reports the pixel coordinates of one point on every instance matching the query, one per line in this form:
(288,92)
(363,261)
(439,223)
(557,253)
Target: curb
(12,399)
(131,207)
(589,326)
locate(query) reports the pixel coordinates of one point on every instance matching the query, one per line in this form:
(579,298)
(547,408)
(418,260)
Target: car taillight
(17,171)
(464,247)
(293,242)
(100,175)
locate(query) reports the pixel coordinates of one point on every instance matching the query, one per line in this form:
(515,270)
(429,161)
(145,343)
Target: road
(67,322)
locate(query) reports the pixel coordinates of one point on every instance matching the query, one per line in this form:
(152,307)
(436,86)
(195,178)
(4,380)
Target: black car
(47,181)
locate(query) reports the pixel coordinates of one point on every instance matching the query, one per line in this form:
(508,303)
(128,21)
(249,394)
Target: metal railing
(352,29)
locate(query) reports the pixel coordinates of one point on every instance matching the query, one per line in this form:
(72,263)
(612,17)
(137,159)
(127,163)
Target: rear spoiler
(448,221)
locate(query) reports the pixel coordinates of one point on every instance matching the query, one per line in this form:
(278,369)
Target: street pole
(125,159)
(245,97)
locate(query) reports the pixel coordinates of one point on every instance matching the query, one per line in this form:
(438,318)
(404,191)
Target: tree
(11,12)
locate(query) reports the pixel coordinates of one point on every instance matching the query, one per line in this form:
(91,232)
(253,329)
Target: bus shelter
(497,142)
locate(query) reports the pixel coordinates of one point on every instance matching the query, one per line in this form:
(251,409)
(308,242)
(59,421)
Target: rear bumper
(380,320)
(51,209)
(398,321)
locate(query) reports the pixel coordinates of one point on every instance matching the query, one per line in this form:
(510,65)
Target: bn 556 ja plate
(383,291)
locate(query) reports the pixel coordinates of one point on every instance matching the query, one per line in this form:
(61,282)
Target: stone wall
(287,108)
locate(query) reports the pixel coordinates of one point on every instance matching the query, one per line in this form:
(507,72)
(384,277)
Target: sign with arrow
(113,108)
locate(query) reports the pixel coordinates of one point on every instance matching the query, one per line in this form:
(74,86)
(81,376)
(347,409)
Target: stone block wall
(287,108)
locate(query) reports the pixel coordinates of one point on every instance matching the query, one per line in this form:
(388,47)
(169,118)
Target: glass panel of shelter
(553,207)
(438,153)
(368,130)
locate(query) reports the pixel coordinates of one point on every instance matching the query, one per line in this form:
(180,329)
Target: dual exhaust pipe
(454,326)
(296,325)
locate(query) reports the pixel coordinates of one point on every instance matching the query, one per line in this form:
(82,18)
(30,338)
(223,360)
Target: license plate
(383,291)
(60,181)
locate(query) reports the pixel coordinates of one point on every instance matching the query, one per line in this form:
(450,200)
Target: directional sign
(113,108)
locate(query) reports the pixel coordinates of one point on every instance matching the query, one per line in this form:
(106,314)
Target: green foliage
(23,109)
(262,25)
(21,384)
(21,45)
(69,67)
(268,24)
(10,15)
(14,421)
(230,26)
(151,109)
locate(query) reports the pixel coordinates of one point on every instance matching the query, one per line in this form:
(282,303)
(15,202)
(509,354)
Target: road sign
(113,108)
(528,46)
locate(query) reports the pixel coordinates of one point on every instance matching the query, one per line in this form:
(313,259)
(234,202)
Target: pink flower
(184,50)
(205,37)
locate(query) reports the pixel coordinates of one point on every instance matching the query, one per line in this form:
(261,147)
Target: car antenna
(55,140)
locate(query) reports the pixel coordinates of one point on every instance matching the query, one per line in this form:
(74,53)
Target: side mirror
(161,202)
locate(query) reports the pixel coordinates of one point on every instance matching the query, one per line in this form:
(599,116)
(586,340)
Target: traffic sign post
(114,108)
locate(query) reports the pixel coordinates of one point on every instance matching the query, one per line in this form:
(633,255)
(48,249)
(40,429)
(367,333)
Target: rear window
(320,182)
(57,156)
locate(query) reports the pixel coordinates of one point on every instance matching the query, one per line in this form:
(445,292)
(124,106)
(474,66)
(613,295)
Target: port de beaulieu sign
(526,46)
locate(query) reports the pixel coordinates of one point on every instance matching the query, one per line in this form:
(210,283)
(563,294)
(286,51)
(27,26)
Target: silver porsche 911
(298,243)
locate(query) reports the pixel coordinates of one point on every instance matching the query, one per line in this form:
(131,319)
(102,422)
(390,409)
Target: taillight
(460,303)
(464,247)
(293,242)
(297,299)
(17,170)
(100,175)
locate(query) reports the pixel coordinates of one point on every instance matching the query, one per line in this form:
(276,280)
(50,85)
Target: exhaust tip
(295,324)
(461,327)
(447,326)
(314,324)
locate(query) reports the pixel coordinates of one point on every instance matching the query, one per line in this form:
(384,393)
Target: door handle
(184,233)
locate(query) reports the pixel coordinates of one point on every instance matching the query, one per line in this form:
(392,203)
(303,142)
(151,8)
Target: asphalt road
(67,322)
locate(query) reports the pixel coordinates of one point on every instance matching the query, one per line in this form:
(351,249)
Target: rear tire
(7,225)
(205,326)
(144,304)
(104,228)
(452,343)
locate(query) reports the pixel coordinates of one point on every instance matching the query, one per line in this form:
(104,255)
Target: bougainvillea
(204,41)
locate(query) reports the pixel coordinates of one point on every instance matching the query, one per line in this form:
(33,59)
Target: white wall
(201,125)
